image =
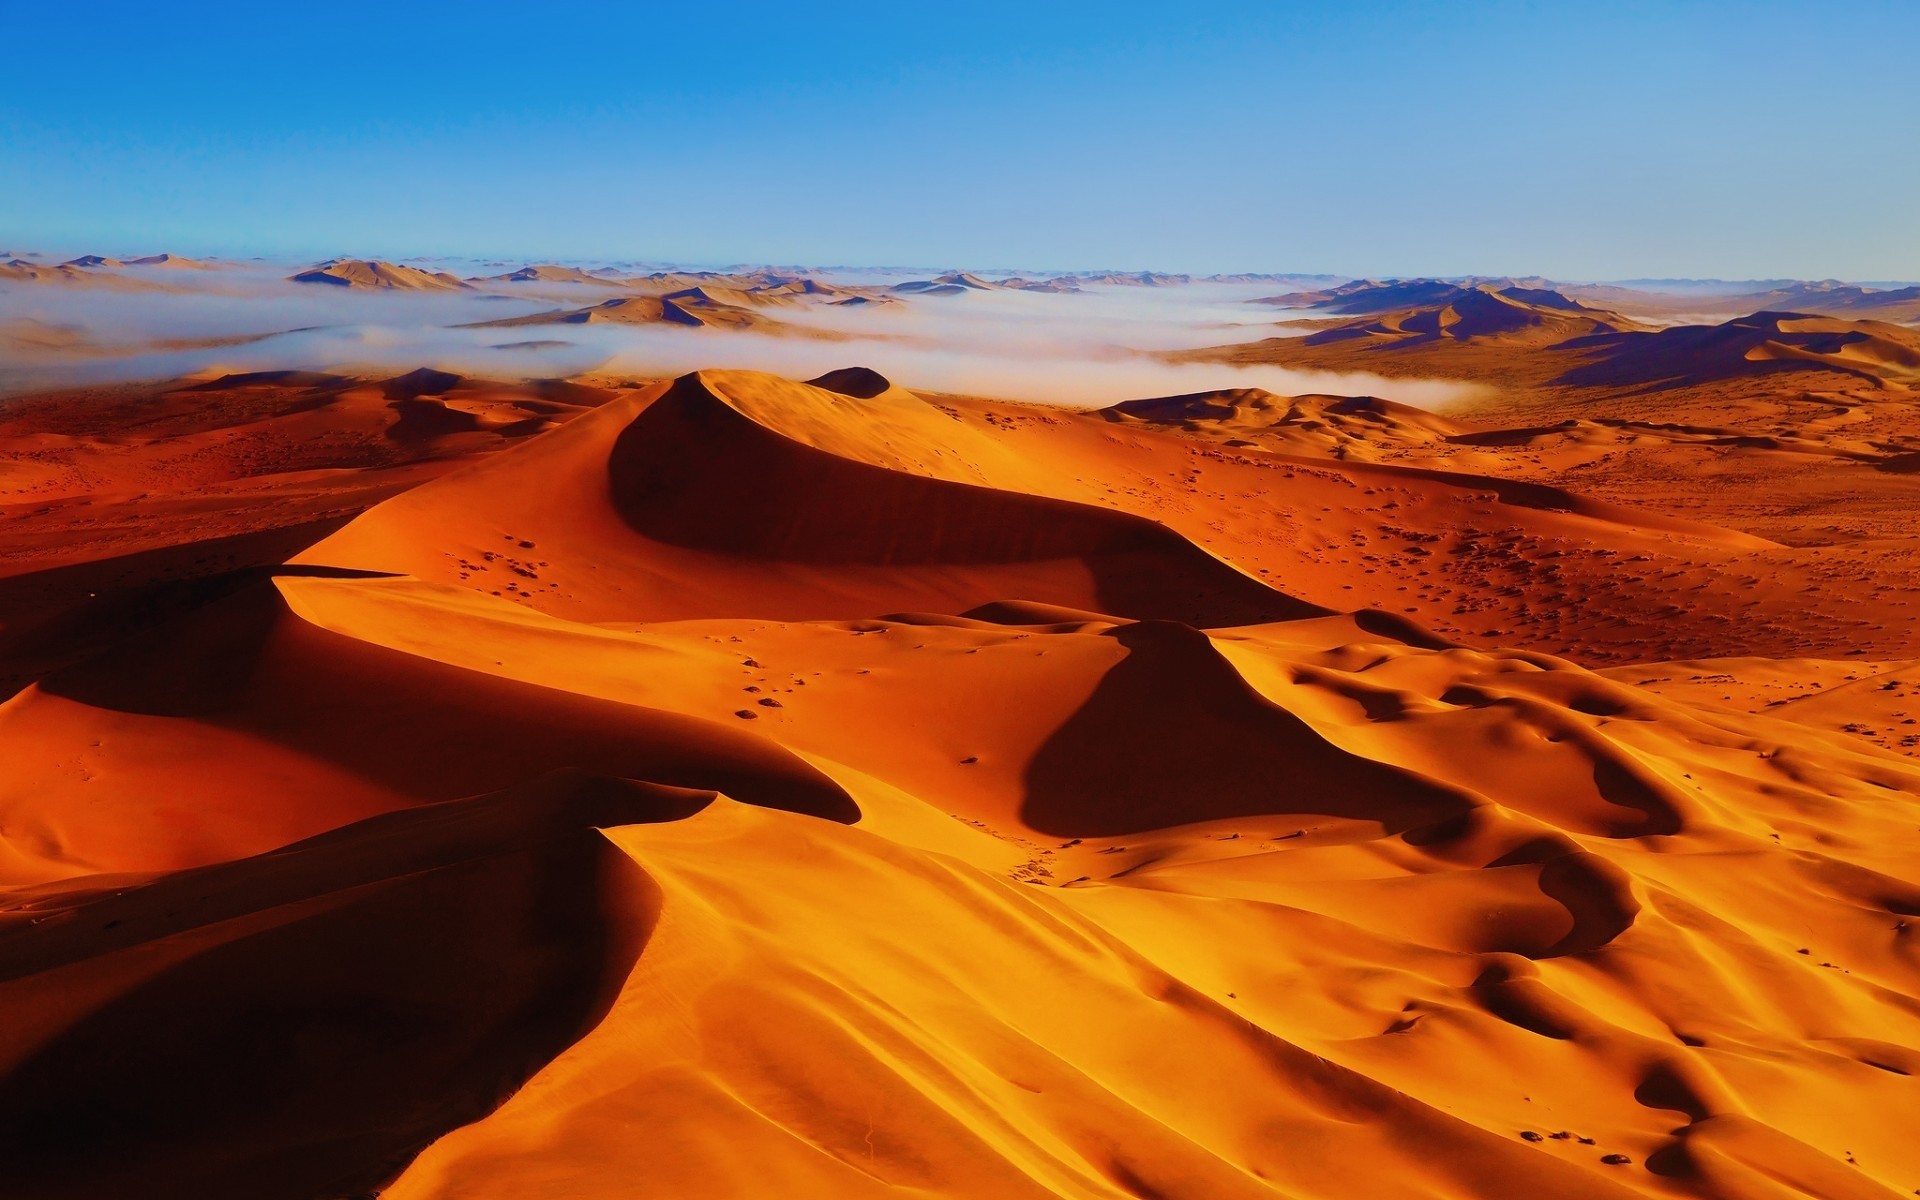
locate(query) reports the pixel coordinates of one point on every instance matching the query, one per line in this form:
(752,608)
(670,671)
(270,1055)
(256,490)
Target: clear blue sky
(1580,140)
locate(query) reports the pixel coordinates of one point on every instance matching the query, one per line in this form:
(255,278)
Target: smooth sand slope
(751,788)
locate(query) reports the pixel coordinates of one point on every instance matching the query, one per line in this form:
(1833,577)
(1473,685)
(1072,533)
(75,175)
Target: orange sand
(733,787)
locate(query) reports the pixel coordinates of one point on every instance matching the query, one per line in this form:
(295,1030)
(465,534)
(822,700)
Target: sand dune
(1335,426)
(729,477)
(108,475)
(727,786)
(434,906)
(355,273)
(712,296)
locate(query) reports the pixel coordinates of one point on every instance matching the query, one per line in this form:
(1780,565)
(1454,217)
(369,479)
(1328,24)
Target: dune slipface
(734,787)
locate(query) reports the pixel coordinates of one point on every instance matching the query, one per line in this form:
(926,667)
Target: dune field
(598,730)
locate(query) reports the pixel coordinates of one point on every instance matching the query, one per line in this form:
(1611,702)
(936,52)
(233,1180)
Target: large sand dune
(381,276)
(728,786)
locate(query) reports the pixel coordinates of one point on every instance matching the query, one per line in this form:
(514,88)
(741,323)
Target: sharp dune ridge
(430,784)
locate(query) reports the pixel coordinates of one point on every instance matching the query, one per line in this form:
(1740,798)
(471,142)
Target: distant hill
(957,283)
(1134,279)
(1528,315)
(1762,343)
(1272,277)
(1056,284)
(1833,298)
(1691,299)
(547,273)
(664,282)
(1368,296)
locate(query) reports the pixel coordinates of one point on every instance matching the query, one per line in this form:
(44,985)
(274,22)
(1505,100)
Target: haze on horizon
(1749,141)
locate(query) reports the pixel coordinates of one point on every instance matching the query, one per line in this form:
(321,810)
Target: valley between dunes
(727,786)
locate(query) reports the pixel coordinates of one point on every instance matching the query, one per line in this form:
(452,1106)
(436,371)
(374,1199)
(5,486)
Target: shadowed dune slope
(197,1035)
(343,726)
(862,383)
(1111,769)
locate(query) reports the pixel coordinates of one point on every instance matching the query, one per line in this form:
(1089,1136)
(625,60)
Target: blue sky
(1584,141)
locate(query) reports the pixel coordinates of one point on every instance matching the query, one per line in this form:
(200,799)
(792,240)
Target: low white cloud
(1094,347)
